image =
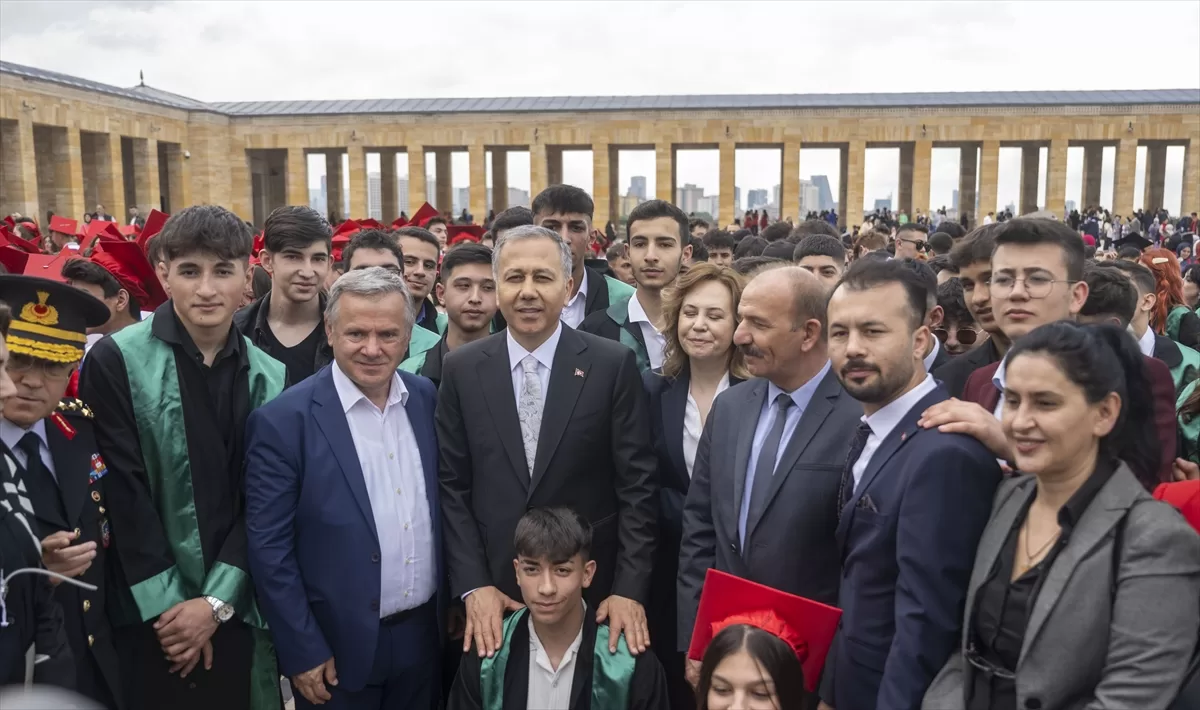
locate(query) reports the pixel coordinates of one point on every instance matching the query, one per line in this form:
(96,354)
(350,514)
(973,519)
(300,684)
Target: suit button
(733,547)
(1033,703)
(374,605)
(87,604)
(91,640)
(375,557)
(191,686)
(77,532)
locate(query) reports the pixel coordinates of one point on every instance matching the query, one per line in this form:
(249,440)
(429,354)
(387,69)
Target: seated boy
(555,656)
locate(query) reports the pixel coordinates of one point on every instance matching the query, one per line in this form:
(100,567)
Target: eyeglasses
(966,336)
(920,245)
(1036,286)
(20,364)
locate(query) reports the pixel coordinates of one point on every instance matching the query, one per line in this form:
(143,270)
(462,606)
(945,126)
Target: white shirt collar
(536,647)
(803,394)
(932,355)
(582,292)
(349,394)
(885,419)
(11,433)
(1146,342)
(637,314)
(544,353)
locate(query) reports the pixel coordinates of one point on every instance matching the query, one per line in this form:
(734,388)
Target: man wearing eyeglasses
(911,241)
(54,444)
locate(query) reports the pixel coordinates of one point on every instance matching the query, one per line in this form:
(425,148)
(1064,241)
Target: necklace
(1031,556)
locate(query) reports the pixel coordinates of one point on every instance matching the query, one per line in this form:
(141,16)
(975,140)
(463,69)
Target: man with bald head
(778,441)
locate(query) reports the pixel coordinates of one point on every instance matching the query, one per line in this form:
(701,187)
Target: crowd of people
(533,464)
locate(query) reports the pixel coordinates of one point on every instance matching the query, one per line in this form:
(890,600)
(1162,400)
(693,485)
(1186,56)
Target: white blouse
(693,427)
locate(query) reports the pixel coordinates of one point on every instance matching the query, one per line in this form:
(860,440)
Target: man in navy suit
(342,513)
(914,501)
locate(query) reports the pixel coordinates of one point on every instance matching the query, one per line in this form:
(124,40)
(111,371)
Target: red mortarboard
(17,242)
(259,242)
(129,266)
(103,231)
(804,625)
(32,227)
(154,224)
(8,219)
(400,223)
(127,230)
(49,266)
(342,236)
(464,233)
(13,259)
(423,215)
(370,224)
(1183,495)
(62,225)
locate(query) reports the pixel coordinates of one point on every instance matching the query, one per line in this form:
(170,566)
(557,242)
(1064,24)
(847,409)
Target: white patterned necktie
(529,408)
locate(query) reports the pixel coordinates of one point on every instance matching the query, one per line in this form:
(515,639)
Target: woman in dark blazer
(699,362)
(1085,589)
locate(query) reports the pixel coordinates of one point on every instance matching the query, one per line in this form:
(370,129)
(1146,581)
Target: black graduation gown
(215,401)
(648,687)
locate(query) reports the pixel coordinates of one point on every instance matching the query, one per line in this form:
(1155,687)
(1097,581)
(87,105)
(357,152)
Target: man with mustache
(777,442)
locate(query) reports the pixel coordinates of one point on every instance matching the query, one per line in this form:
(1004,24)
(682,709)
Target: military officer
(54,446)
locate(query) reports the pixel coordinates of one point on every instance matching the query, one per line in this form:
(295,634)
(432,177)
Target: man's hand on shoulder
(485,619)
(954,416)
(628,617)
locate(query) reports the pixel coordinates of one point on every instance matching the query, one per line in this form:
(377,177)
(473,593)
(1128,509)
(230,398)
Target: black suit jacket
(594,455)
(954,372)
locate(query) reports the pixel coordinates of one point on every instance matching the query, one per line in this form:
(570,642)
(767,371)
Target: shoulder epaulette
(72,406)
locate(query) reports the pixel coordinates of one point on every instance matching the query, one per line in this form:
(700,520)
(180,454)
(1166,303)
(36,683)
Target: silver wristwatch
(222,612)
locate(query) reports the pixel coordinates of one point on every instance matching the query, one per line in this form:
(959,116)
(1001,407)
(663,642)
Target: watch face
(226,613)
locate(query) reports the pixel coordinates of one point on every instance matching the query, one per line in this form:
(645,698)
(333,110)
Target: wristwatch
(222,612)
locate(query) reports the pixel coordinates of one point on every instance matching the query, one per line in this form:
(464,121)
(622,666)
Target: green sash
(441,321)
(618,290)
(1189,430)
(421,342)
(1173,320)
(158,411)
(612,673)
(619,313)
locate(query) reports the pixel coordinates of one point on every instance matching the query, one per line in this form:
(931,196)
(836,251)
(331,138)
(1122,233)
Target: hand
(311,684)
(191,658)
(485,615)
(184,629)
(691,671)
(456,622)
(824,706)
(1184,470)
(628,617)
(59,555)
(955,416)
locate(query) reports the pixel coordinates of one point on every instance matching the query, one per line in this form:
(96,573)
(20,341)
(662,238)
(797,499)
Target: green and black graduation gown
(171,430)
(602,680)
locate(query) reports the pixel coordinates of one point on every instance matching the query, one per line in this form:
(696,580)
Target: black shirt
(432,368)
(299,359)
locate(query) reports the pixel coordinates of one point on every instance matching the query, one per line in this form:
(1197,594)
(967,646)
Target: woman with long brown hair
(1171,315)
(699,362)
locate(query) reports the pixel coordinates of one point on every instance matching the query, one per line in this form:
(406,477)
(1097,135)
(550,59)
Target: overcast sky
(227,51)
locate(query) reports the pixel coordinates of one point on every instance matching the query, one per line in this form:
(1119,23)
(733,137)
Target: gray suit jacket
(1083,648)
(791,546)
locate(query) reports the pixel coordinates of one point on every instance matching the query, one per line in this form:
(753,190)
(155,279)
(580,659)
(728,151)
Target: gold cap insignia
(40,312)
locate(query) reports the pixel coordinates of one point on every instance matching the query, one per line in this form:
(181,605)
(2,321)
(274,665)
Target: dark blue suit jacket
(313,547)
(908,538)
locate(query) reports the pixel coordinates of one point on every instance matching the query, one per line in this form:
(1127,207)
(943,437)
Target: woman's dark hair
(769,651)
(1100,359)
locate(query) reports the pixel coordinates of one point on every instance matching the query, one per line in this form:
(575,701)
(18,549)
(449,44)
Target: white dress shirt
(1146,342)
(576,308)
(693,427)
(544,354)
(655,342)
(550,688)
(937,345)
(998,383)
(883,421)
(391,466)
(11,434)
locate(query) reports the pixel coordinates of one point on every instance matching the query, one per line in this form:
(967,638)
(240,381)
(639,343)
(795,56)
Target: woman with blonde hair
(699,362)
(1171,315)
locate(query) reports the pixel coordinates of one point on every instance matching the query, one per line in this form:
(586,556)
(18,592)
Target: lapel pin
(578,372)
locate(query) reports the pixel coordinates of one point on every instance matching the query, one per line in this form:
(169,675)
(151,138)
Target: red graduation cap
(464,233)
(62,225)
(341,237)
(422,215)
(103,231)
(804,625)
(370,223)
(127,230)
(128,264)
(13,259)
(259,242)
(49,266)
(154,224)
(400,223)
(33,229)
(17,242)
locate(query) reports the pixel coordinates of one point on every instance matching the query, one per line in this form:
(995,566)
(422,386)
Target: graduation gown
(171,430)
(647,689)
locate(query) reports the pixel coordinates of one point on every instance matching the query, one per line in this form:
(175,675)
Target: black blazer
(594,455)
(954,372)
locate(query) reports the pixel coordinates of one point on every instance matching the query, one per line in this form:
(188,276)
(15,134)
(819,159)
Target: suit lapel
(567,379)
(495,374)
(810,422)
(72,466)
(421,420)
(745,439)
(674,407)
(332,422)
(597,292)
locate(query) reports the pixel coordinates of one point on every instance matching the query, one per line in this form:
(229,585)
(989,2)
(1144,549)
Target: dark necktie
(42,488)
(846,489)
(764,471)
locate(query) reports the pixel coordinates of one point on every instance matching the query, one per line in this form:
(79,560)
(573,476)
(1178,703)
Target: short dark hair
(750,246)
(941,243)
(295,227)
(1032,230)
(699,251)
(820,245)
(1109,294)
(556,534)
(5,319)
(429,224)
(1129,253)
(912,227)
(953,300)
(941,263)
(1089,252)
(697,223)
(866,274)
(615,251)
(512,217)
(779,249)
(719,239)
(740,235)
(469,253)
(154,250)
(954,229)
(563,199)
(376,239)
(205,229)
(928,277)
(1142,277)
(418,233)
(812,226)
(653,209)
(977,246)
(749,264)
(92,273)
(776,231)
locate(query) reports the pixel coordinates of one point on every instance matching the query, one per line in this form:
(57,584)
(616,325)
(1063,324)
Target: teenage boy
(822,256)
(171,395)
(288,322)
(421,254)
(720,245)
(554,656)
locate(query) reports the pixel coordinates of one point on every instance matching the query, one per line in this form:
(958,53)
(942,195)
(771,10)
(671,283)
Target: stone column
(664,171)
(416,178)
(389,207)
(358,180)
(241,183)
(178,178)
(601,183)
(478,187)
(554,165)
(537,170)
(1056,177)
(1124,176)
(145,175)
(968,174)
(444,189)
(855,171)
(1093,168)
(499,181)
(297,176)
(1031,157)
(789,184)
(1190,198)
(922,173)
(614,184)
(728,184)
(335,202)
(989,178)
(18,167)
(110,174)
(1156,176)
(68,173)
(904,203)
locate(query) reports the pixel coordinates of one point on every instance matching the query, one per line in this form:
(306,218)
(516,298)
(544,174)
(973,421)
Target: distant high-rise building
(710,205)
(637,187)
(518,197)
(825,199)
(810,198)
(688,197)
(756,199)
(462,200)
(954,201)
(374,195)
(775,195)
(1070,206)
(884,203)
(737,200)
(316,200)
(402,196)
(323,204)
